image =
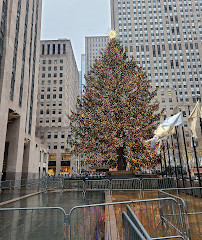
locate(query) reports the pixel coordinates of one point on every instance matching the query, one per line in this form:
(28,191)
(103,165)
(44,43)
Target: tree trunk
(121,159)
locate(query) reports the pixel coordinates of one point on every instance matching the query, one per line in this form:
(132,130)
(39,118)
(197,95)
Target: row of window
(48,96)
(53,103)
(53,111)
(54,89)
(56,145)
(43,75)
(48,49)
(49,82)
(52,61)
(55,68)
(55,134)
(48,120)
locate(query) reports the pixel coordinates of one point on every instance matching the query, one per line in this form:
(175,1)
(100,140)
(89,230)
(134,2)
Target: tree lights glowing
(116,114)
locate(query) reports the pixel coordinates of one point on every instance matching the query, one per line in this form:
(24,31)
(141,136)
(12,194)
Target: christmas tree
(117,113)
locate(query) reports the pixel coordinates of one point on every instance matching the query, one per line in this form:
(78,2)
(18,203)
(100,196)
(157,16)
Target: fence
(161,218)
(33,223)
(190,202)
(102,184)
(132,227)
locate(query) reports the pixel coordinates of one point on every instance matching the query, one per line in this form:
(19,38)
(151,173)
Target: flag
(161,134)
(174,121)
(192,119)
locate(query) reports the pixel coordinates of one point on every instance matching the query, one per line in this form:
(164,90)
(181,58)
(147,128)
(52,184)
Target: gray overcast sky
(75,19)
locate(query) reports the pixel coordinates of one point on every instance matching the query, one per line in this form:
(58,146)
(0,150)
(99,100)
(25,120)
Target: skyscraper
(20,26)
(93,47)
(58,91)
(165,38)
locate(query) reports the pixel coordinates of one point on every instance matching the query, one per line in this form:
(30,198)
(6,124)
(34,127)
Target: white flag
(192,119)
(174,121)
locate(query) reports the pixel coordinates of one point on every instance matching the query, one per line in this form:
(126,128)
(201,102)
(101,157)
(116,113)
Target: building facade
(20,27)
(83,69)
(93,47)
(57,94)
(164,36)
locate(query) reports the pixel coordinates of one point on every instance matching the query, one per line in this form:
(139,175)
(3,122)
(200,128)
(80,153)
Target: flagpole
(161,165)
(197,166)
(176,174)
(164,158)
(169,158)
(180,157)
(185,147)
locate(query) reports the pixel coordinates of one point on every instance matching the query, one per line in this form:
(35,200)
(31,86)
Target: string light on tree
(116,114)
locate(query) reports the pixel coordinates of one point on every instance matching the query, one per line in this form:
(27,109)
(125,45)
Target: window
(47,111)
(48,134)
(55,145)
(60,111)
(48,145)
(59,119)
(54,96)
(55,134)
(184,113)
(61,74)
(42,96)
(60,103)
(61,60)
(48,49)
(55,61)
(47,103)
(49,61)
(60,95)
(43,48)
(53,48)
(60,81)
(58,48)
(62,134)
(170,100)
(47,120)
(61,67)
(41,120)
(60,89)
(53,120)
(48,96)
(53,111)
(54,103)
(64,48)
(62,145)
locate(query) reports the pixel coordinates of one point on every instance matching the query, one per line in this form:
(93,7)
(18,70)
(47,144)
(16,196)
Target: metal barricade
(33,223)
(137,223)
(73,184)
(130,231)
(103,184)
(126,184)
(5,184)
(54,183)
(157,183)
(161,218)
(190,202)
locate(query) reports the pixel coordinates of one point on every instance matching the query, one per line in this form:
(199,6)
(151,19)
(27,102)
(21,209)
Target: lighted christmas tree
(117,113)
